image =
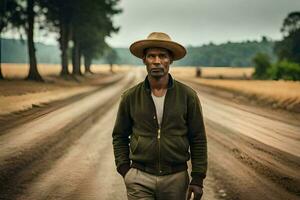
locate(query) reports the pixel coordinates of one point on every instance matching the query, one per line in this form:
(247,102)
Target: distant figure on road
(159,127)
(198,72)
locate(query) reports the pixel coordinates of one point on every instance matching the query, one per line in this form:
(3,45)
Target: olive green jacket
(137,137)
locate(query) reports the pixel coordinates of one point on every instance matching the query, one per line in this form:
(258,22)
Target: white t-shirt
(159,105)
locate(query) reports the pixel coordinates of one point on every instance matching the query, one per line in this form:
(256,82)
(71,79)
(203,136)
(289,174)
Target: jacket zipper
(159,128)
(158,138)
(158,134)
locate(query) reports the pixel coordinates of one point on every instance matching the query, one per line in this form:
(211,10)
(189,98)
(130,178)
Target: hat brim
(137,48)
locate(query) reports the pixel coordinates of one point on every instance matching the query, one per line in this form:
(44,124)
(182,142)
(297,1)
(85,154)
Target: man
(158,121)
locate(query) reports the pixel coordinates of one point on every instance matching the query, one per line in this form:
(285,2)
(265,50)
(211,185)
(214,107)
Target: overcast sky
(196,22)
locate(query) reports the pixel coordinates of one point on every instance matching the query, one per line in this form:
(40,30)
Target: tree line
(234,54)
(81,25)
(287,66)
(230,54)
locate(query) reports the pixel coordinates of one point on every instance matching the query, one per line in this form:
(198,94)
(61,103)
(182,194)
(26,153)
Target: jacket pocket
(133,143)
(143,149)
(175,149)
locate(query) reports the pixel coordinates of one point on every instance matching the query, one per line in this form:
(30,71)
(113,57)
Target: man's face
(157,61)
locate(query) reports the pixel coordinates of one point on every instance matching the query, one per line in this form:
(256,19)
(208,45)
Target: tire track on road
(19,167)
(249,168)
(82,172)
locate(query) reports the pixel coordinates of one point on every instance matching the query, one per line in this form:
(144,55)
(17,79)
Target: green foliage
(287,50)
(289,47)
(284,70)
(13,14)
(228,54)
(262,64)
(87,23)
(92,23)
(291,23)
(16,52)
(281,70)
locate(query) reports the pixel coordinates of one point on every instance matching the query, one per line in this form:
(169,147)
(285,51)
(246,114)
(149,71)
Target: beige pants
(144,186)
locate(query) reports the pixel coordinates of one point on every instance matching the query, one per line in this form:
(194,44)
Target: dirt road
(67,153)
(252,153)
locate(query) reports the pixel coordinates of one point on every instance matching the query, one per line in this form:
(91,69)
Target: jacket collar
(146,83)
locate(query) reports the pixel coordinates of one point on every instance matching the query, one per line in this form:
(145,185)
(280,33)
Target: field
(12,71)
(278,94)
(215,72)
(17,94)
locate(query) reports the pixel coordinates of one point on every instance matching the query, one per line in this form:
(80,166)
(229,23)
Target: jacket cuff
(197,179)
(123,169)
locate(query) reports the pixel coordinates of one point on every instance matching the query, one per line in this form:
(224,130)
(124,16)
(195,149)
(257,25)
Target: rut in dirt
(18,168)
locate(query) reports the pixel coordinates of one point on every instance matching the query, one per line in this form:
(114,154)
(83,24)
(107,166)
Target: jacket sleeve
(121,133)
(197,139)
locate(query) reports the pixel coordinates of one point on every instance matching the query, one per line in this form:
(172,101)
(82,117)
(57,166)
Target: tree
(289,47)
(285,70)
(262,64)
(291,23)
(19,14)
(58,19)
(33,71)
(111,57)
(8,13)
(85,24)
(2,25)
(264,39)
(92,46)
(91,24)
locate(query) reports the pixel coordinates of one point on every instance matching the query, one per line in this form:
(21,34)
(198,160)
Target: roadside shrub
(262,64)
(284,70)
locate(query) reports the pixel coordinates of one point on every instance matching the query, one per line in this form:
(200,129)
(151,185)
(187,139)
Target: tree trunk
(87,64)
(1,75)
(33,71)
(76,56)
(63,41)
(1,29)
(111,68)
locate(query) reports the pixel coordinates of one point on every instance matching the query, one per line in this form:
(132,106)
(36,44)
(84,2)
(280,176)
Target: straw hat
(158,39)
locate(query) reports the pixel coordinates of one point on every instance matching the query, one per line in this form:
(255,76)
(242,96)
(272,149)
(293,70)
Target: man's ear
(144,59)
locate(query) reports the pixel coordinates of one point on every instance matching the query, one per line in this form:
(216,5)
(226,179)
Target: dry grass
(215,72)
(283,94)
(18,71)
(15,73)
(17,94)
